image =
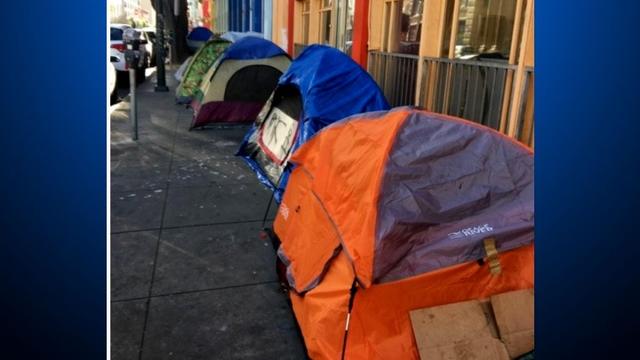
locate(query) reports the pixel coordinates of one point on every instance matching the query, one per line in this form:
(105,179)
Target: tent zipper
(352,295)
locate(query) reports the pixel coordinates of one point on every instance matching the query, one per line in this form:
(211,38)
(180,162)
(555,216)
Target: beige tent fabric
(214,90)
(204,84)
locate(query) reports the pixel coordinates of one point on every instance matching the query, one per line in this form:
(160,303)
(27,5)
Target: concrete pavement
(190,278)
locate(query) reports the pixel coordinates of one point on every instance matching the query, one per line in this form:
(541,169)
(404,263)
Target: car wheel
(122,79)
(114,97)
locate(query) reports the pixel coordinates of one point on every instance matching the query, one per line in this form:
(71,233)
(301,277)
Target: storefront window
(306,5)
(410,26)
(402,26)
(485,28)
(344,36)
(336,23)
(325,22)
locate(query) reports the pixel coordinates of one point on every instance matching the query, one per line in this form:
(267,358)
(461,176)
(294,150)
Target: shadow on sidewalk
(190,278)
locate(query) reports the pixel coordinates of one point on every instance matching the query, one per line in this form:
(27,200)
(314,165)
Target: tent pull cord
(273,195)
(266,212)
(352,295)
(267,232)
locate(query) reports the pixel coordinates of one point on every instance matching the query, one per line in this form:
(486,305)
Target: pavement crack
(189,254)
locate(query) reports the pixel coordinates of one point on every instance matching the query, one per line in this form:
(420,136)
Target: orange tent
(391,211)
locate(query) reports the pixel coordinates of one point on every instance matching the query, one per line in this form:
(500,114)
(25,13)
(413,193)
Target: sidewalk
(190,278)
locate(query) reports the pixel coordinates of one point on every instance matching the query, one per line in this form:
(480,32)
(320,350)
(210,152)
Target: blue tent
(197,37)
(199,34)
(251,47)
(330,87)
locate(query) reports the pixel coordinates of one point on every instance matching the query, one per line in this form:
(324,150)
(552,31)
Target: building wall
(267,17)
(245,15)
(315,30)
(139,12)
(221,16)
(150,12)
(279,31)
(384,23)
(297,23)
(431,73)
(195,13)
(115,11)
(376,9)
(207,14)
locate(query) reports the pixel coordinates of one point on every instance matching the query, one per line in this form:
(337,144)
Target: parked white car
(149,34)
(117,48)
(111,84)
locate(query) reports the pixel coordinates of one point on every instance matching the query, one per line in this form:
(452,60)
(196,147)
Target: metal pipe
(133,104)
(161,81)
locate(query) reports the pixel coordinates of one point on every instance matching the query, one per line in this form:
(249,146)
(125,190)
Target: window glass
(345,38)
(305,29)
(410,26)
(116,34)
(386,26)
(325,27)
(485,28)
(305,21)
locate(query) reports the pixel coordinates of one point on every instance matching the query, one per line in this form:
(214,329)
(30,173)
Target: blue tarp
(332,87)
(251,47)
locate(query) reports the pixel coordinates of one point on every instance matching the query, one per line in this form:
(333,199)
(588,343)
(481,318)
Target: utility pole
(161,82)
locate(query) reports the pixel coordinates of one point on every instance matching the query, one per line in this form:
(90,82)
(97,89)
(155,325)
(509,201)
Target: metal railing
(480,91)
(297,49)
(396,74)
(472,90)
(525,125)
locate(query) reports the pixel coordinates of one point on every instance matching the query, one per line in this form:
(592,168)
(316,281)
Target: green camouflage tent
(201,62)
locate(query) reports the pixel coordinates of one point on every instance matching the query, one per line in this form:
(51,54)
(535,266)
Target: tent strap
(492,256)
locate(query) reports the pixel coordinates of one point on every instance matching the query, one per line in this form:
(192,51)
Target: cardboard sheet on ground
(497,328)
